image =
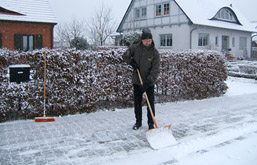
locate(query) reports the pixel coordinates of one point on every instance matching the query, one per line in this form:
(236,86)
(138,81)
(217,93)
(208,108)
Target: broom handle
(44,84)
(147,100)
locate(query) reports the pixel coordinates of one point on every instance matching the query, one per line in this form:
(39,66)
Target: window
(226,14)
(144,12)
(203,39)
(0,40)
(27,42)
(158,10)
(140,13)
(137,13)
(217,41)
(165,40)
(166,9)
(162,9)
(233,42)
(242,43)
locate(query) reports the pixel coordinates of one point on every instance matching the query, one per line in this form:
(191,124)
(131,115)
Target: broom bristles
(44,119)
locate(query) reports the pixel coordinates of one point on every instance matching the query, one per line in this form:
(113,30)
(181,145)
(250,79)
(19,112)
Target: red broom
(44,118)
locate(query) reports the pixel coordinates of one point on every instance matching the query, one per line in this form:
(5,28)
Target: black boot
(136,126)
(150,126)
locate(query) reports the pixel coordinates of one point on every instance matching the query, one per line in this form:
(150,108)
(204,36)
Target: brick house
(26,25)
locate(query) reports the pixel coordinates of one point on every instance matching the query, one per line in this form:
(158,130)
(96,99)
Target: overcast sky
(84,9)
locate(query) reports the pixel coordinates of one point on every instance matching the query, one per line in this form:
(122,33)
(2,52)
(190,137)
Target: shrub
(86,81)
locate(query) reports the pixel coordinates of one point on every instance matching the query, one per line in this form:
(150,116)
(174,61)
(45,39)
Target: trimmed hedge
(86,81)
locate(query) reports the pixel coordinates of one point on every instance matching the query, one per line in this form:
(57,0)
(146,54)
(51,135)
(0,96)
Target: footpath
(106,137)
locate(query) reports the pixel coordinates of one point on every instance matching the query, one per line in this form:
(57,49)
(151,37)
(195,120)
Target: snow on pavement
(220,130)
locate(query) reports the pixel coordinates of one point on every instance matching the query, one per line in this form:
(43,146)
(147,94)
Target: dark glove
(134,64)
(145,85)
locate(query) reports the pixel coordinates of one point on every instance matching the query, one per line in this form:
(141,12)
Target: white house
(191,24)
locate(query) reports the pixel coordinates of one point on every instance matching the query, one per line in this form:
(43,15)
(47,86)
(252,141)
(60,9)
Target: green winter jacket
(148,60)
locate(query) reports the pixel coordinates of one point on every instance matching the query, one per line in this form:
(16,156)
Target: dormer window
(226,14)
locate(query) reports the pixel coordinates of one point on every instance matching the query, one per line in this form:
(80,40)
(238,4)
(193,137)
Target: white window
(242,43)
(217,41)
(166,9)
(28,42)
(162,9)
(158,10)
(140,13)
(225,14)
(137,13)
(144,12)
(233,42)
(166,40)
(203,39)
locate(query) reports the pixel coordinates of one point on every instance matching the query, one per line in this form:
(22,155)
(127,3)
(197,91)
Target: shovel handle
(147,100)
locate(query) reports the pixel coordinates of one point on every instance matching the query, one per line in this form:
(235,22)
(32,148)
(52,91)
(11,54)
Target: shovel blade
(160,137)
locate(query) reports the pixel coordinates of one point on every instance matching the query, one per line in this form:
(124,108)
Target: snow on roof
(201,12)
(30,10)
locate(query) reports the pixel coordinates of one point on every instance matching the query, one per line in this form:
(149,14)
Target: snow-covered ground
(215,131)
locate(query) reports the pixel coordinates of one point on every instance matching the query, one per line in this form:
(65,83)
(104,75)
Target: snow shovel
(159,137)
(44,118)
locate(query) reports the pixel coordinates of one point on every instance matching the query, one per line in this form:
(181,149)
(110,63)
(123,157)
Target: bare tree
(69,31)
(101,26)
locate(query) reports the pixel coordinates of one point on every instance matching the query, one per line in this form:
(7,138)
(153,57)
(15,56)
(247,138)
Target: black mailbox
(19,73)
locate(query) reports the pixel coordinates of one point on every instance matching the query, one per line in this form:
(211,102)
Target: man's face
(147,42)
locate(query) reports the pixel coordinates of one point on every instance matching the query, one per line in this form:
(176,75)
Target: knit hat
(146,34)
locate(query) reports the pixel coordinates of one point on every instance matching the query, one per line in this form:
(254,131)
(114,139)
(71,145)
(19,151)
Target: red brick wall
(8,29)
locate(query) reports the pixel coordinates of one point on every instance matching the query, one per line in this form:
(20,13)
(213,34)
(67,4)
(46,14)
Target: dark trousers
(138,95)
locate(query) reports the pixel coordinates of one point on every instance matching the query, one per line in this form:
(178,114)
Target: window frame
(203,40)
(28,42)
(233,42)
(242,43)
(166,40)
(167,9)
(137,13)
(216,41)
(140,13)
(162,9)
(158,10)
(143,12)
(226,14)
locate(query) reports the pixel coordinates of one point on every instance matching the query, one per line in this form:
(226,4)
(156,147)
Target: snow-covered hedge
(85,81)
(242,68)
(192,75)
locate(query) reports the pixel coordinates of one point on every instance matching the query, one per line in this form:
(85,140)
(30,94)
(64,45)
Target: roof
(200,12)
(125,16)
(27,11)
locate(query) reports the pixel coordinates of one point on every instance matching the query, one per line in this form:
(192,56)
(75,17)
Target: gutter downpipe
(191,37)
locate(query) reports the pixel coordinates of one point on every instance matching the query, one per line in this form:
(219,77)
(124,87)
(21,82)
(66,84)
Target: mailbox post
(19,73)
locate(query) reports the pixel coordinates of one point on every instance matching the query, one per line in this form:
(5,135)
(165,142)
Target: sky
(66,10)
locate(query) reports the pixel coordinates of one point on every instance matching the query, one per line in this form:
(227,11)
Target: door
(225,44)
